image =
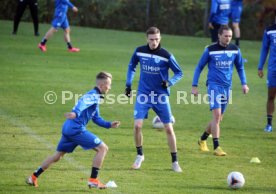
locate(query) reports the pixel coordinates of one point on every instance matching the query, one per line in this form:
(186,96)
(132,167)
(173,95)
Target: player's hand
(75,9)
(245,89)
(210,25)
(128,91)
(260,73)
(194,90)
(70,115)
(165,84)
(115,124)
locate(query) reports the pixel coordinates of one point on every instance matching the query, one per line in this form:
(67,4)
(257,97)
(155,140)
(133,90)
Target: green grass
(30,128)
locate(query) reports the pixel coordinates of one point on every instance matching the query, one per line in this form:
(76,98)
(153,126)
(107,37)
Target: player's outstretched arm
(115,124)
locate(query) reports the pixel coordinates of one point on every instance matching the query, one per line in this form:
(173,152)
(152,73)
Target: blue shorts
(60,21)
(271,79)
(160,105)
(236,11)
(85,139)
(218,97)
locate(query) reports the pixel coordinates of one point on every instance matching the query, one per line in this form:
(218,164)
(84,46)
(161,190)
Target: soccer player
(221,58)
(60,21)
(219,15)
(21,6)
(74,132)
(153,91)
(236,11)
(269,45)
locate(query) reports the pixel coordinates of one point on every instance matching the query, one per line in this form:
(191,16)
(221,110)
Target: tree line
(179,17)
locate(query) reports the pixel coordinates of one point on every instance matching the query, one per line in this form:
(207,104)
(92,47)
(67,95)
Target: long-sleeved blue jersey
(220,65)
(86,109)
(154,68)
(219,11)
(61,7)
(268,45)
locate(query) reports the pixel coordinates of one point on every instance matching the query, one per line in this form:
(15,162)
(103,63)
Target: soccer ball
(157,123)
(235,180)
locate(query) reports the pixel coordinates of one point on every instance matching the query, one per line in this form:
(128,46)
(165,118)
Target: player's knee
(235,25)
(217,118)
(271,98)
(103,148)
(169,129)
(137,127)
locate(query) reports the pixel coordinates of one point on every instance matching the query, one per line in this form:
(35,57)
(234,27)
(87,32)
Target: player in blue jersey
(60,21)
(221,58)
(269,46)
(236,11)
(219,15)
(74,131)
(153,91)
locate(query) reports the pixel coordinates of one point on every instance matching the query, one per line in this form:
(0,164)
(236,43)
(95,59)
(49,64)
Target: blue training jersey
(219,12)
(86,109)
(220,65)
(154,68)
(61,7)
(268,45)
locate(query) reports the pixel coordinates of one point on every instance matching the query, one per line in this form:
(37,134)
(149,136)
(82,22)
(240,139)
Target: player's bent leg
(101,150)
(52,159)
(33,180)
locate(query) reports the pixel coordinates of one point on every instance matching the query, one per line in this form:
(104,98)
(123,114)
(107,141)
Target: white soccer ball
(235,180)
(157,123)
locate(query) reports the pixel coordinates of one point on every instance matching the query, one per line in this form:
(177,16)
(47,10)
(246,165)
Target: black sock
(238,42)
(269,119)
(174,156)
(43,42)
(69,45)
(139,150)
(38,172)
(204,136)
(216,143)
(94,172)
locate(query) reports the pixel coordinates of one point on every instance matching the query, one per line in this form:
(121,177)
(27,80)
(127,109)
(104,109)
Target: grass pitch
(30,128)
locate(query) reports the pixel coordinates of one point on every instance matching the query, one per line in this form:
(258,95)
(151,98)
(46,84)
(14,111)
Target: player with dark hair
(60,21)
(21,6)
(236,11)
(74,132)
(221,58)
(153,91)
(219,16)
(269,46)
